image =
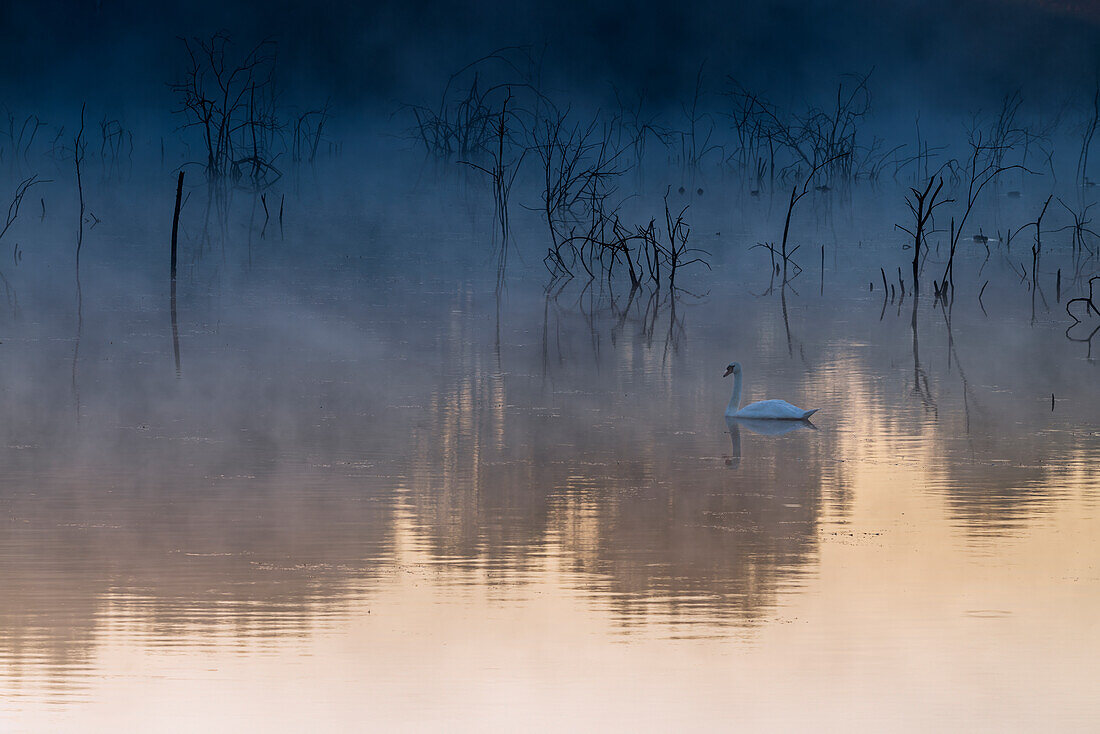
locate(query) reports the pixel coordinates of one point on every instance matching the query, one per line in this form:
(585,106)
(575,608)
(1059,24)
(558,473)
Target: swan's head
(734,368)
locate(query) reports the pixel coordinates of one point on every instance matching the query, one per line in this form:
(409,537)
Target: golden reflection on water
(559,532)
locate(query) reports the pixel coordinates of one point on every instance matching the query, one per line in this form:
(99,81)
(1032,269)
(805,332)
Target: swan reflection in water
(762,427)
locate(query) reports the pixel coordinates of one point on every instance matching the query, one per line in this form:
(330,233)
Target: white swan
(779,410)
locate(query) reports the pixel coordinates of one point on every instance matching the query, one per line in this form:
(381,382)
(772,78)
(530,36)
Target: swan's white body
(778,410)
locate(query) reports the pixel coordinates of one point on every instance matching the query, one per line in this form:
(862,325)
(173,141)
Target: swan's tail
(808,413)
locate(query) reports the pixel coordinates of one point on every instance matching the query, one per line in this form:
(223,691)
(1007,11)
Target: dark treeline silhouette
(933,51)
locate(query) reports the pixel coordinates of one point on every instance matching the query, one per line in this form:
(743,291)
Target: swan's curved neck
(735,399)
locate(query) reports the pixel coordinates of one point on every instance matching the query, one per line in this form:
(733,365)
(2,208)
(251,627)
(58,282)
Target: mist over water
(412,443)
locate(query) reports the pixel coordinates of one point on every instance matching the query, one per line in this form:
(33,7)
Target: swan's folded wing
(773,410)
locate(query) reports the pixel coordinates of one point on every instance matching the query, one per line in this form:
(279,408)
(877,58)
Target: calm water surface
(377,501)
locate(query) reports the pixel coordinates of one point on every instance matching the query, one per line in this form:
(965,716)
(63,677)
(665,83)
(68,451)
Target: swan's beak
(729,371)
